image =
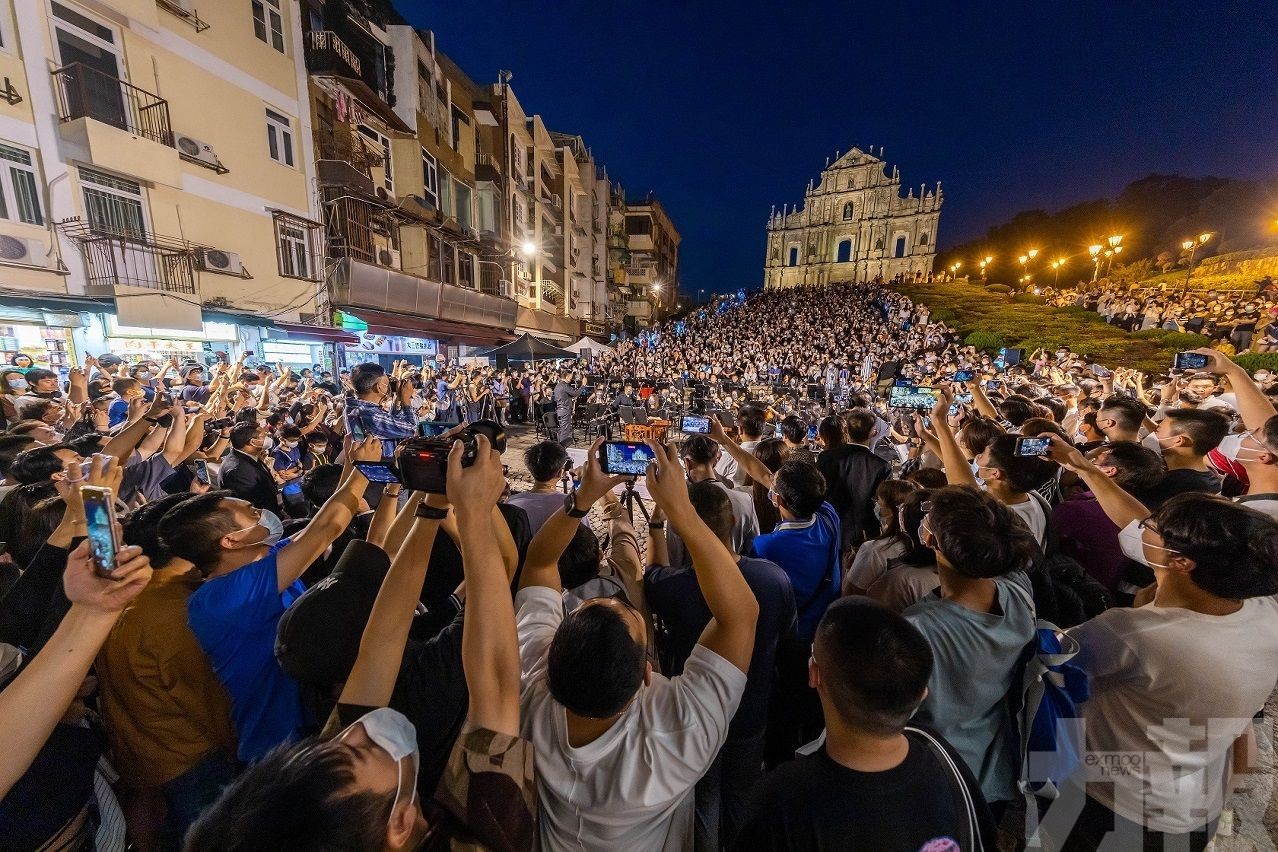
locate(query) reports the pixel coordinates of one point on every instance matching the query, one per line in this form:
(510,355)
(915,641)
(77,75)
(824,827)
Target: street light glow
(1204,237)
(1033,253)
(1187,245)
(1115,240)
(529,248)
(1094,250)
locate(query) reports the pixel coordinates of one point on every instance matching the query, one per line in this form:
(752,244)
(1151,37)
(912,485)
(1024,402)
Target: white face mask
(394,734)
(268,443)
(274,529)
(1232,448)
(18,384)
(1133,545)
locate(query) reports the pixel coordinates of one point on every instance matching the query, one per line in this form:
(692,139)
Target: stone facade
(854,225)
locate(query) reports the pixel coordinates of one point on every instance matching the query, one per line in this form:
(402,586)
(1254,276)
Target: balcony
(124,128)
(120,261)
(346,161)
(326,53)
(487,167)
(552,292)
(359,229)
(357,284)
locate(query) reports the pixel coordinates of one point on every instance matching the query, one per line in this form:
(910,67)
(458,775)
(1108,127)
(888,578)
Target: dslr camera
(221,423)
(423,462)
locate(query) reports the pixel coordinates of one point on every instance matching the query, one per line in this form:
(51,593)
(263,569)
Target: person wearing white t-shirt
(1174,683)
(619,749)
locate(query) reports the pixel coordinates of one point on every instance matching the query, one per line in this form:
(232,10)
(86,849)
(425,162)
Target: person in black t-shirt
(1185,438)
(876,782)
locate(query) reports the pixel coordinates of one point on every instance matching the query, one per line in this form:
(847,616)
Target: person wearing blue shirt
(367,414)
(126,390)
(251,578)
(289,463)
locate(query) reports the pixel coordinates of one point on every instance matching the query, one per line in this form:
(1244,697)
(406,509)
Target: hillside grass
(996,319)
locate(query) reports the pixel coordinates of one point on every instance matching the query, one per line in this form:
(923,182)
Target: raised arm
(1254,407)
(730,633)
(1121,507)
(490,651)
(957,470)
(754,468)
(34,702)
(982,402)
(140,422)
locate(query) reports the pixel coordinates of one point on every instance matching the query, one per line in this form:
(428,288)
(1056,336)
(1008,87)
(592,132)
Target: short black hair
(37,465)
(298,798)
(1128,413)
(545,461)
(1016,409)
(750,420)
(242,434)
(860,423)
(801,487)
(977,534)
(832,431)
(978,432)
(320,482)
(699,449)
(1205,428)
(794,430)
(142,528)
(713,507)
(193,529)
(364,377)
(874,664)
(1138,467)
(594,666)
(39,374)
(579,563)
(1235,549)
(1024,473)
(10,447)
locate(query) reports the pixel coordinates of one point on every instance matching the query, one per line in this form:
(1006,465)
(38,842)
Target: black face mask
(164,420)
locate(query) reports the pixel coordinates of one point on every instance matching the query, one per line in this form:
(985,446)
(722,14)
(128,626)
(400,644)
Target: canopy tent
(528,348)
(588,343)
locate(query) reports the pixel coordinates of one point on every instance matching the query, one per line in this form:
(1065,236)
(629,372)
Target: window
(900,247)
(464,213)
(923,238)
(19,189)
(847,211)
(279,137)
(794,256)
(112,205)
(430,178)
(383,146)
(297,244)
(268,23)
(446,193)
(434,252)
(466,269)
(845,252)
(448,264)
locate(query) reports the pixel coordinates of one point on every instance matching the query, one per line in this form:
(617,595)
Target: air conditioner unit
(224,262)
(25,251)
(384,194)
(194,149)
(388,257)
(504,288)
(470,232)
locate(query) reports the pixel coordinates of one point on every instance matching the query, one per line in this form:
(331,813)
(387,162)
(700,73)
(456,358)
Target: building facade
(643,256)
(853,225)
(156,180)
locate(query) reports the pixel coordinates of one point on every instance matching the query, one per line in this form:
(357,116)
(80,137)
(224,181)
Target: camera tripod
(630,498)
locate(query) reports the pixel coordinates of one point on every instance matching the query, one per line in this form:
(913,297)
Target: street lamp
(655,289)
(954,268)
(1095,250)
(1192,246)
(1056,267)
(1033,253)
(983,264)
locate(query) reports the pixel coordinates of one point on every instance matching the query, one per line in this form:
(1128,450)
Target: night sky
(724,109)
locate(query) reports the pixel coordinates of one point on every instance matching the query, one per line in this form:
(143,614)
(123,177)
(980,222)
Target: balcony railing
(327,53)
(118,258)
(357,229)
(85,92)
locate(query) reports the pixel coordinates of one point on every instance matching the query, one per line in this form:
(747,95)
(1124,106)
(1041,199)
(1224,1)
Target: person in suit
(565,396)
(244,472)
(852,473)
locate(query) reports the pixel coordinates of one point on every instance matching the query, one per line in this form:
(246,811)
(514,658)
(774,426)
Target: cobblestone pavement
(1254,807)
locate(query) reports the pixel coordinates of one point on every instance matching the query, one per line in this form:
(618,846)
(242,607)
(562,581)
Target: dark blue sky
(724,109)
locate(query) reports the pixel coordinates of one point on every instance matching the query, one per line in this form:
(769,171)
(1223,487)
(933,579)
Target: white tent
(588,343)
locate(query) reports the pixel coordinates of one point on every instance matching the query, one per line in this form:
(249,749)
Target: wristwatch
(570,507)
(430,513)
(657,525)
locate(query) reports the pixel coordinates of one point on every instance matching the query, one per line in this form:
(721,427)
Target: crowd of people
(1234,321)
(851,619)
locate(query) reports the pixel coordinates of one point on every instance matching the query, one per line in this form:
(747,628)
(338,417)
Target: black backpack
(1064,593)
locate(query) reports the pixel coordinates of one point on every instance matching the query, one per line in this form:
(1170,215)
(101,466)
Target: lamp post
(1115,248)
(983,264)
(656,293)
(1095,250)
(1192,246)
(954,268)
(1056,266)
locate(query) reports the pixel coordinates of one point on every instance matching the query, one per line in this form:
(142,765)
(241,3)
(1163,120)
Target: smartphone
(725,417)
(202,471)
(695,425)
(99,514)
(1032,446)
(377,471)
(357,430)
(963,399)
(994,384)
(625,457)
(812,433)
(1100,372)
(964,375)
(914,398)
(432,428)
(955,408)
(1189,361)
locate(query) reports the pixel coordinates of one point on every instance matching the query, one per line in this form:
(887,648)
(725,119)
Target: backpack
(1064,593)
(1044,704)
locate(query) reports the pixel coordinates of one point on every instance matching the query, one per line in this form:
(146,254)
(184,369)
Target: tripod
(630,498)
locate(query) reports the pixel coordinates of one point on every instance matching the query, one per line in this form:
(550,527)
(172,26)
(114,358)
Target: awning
(407,325)
(528,348)
(320,334)
(237,318)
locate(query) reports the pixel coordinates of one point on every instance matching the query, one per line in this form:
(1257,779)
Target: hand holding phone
(103,531)
(1032,447)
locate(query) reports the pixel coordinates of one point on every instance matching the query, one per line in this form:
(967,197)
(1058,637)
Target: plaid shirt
(390,426)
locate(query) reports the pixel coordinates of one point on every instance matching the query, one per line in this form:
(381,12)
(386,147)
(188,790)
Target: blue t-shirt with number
(235,617)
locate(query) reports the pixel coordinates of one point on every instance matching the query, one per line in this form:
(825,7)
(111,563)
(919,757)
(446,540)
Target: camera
(423,462)
(220,423)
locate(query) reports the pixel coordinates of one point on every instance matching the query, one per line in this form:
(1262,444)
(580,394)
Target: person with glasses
(1175,681)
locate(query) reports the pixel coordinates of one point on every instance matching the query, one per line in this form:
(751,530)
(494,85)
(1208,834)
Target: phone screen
(432,428)
(626,457)
(1033,446)
(916,398)
(202,471)
(357,430)
(377,471)
(812,433)
(696,425)
(964,376)
(1190,361)
(99,514)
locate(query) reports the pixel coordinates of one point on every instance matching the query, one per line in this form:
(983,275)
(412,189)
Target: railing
(352,226)
(85,92)
(128,258)
(325,45)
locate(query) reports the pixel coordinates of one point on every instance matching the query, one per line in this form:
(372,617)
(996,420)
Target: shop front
(386,349)
(43,336)
(215,341)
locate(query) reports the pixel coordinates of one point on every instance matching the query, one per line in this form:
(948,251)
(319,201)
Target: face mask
(18,384)
(395,735)
(143,375)
(1232,448)
(274,530)
(268,443)
(878,512)
(1129,539)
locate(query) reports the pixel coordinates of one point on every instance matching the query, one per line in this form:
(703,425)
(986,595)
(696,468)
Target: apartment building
(155,181)
(652,259)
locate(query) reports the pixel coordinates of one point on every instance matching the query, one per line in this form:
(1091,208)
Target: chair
(626,413)
(550,422)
